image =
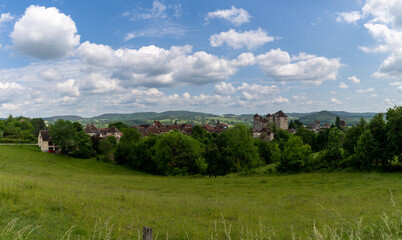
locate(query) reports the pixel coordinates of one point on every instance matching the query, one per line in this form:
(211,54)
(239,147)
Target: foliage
(394,132)
(178,154)
(37,125)
(127,143)
(338,122)
(295,156)
(63,133)
(105,146)
(82,145)
(119,125)
(239,149)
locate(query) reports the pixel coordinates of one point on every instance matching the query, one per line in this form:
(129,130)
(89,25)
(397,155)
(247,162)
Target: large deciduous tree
(63,133)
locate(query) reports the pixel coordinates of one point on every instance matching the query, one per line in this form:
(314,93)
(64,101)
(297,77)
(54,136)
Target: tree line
(366,146)
(20,129)
(374,145)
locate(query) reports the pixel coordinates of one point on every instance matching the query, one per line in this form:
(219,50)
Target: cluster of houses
(46,143)
(158,128)
(316,126)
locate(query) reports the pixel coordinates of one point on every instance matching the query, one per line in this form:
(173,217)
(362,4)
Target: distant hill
(64,117)
(330,116)
(169,117)
(153,115)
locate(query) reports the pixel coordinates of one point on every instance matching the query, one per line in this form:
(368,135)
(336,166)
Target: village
(262,129)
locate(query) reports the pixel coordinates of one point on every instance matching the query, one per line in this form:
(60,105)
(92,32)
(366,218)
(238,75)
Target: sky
(86,58)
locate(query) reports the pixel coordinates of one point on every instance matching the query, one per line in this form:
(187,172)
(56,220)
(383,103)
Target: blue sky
(92,57)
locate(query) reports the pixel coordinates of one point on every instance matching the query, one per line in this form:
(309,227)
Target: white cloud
(373,95)
(343,85)
(244,59)
(399,89)
(280,100)
(5,17)
(158,11)
(158,31)
(236,16)
(396,84)
(152,66)
(389,102)
(256,91)
(308,68)
(384,23)
(335,101)
(349,17)
(50,75)
(249,39)
(45,33)
(224,88)
(354,79)
(332,92)
(68,88)
(368,90)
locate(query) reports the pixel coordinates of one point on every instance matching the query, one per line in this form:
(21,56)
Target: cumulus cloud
(384,23)
(5,17)
(249,39)
(9,91)
(349,17)
(396,84)
(335,101)
(45,33)
(280,100)
(256,91)
(224,88)
(236,16)
(308,68)
(399,88)
(368,90)
(152,66)
(354,79)
(50,75)
(343,85)
(68,88)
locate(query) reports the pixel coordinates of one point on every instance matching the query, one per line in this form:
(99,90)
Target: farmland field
(59,194)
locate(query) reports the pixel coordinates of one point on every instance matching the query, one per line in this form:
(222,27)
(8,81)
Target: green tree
(240,149)
(394,133)
(37,124)
(295,156)
(333,155)
(63,133)
(179,154)
(350,140)
(364,151)
(105,146)
(77,126)
(119,125)
(82,145)
(308,137)
(379,132)
(126,145)
(143,157)
(338,122)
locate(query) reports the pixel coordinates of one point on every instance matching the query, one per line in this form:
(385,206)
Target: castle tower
(257,122)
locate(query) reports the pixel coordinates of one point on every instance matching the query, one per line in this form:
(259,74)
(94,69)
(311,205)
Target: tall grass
(60,197)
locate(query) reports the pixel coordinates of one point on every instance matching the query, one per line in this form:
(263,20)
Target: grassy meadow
(60,196)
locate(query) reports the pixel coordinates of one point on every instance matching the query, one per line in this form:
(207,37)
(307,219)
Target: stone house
(92,130)
(45,142)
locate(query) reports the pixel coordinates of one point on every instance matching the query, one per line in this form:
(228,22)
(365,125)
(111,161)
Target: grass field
(57,193)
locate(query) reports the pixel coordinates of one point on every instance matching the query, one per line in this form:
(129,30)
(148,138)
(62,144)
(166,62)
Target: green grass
(54,194)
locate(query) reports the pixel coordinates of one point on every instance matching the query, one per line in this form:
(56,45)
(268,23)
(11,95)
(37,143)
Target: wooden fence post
(147,233)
